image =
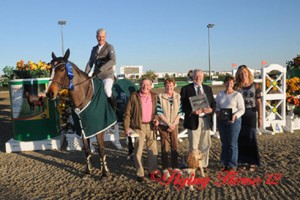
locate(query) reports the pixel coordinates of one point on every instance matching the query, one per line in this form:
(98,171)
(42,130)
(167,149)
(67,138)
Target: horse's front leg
(103,168)
(88,155)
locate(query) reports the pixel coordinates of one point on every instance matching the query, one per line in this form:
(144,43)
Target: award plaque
(198,102)
(226,114)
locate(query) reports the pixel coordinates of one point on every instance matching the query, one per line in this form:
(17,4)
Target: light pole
(208,27)
(61,23)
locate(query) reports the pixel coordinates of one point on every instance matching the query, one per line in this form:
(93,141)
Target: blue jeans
(229,133)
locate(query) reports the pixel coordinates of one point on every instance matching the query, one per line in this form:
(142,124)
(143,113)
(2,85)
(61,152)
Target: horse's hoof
(86,176)
(105,174)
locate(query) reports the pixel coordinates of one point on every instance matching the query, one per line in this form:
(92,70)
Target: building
(171,74)
(131,72)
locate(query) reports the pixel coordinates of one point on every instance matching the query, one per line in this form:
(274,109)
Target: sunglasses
(242,66)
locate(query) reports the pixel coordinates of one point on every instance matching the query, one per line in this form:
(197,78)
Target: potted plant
(293,102)
(32,70)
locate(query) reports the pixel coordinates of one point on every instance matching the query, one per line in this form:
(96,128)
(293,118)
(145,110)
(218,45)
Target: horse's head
(59,76)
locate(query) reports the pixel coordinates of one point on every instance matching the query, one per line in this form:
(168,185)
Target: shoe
(205,169)
(177,171)
(141,179)
(166,174)
(232,169)
(252,168)
(155,174)
(242,167)
(224,169)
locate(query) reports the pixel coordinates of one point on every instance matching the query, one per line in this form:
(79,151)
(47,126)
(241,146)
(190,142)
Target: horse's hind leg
(103,168)
(87,150)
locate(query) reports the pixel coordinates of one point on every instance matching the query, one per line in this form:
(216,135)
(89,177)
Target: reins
(70,74)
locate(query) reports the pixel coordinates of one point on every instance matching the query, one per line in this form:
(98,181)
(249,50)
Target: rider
(103,59)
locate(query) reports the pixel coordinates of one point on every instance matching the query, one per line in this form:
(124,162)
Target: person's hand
(207,110)
(197,112)
(234,117)
(128,131)
(171,127)
(169,130)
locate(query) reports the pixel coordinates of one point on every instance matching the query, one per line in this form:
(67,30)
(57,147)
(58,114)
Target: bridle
(70,76)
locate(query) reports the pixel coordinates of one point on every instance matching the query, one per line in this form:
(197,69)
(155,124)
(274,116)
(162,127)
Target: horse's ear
(67,54)
(53,56)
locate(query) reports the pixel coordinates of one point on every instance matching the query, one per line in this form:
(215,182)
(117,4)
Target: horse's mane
(78,70)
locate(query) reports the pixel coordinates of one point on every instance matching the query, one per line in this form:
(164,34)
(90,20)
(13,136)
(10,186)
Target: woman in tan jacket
(169,111)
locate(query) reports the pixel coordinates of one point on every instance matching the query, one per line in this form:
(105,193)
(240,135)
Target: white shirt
(235,101)
(92,70)
(196,88)
(202,92)
(99,48)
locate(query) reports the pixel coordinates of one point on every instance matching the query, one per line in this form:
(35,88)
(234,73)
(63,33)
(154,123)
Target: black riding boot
(112,102)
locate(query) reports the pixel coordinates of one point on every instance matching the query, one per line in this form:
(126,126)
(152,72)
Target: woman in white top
(230,108)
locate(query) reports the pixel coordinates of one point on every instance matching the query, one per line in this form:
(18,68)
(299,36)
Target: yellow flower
(64,93)
(36,70)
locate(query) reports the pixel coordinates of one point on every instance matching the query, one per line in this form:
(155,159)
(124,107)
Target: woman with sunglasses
(247,143)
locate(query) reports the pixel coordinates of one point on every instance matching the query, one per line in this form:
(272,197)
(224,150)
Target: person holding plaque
(230,108)
(198,121)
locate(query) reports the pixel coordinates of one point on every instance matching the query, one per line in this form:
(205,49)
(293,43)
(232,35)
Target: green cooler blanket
(98,115)
(122,89)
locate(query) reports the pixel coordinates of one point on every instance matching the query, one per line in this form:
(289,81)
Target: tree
(8,71)
(150,74)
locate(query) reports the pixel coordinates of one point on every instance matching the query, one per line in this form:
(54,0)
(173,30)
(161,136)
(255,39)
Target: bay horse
(34,100)
(81,89)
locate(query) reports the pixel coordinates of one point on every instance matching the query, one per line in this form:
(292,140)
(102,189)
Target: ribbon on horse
(97,116)
(70,75)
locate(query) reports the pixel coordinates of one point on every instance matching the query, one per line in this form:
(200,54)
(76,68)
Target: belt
(145,122)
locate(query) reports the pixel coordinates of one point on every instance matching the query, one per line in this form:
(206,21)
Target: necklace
(246,84)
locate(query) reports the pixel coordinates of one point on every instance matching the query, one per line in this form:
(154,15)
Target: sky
(160,35)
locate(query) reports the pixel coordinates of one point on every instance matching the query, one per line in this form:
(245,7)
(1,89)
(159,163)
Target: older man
(140,117)
(198,122)
(103,59)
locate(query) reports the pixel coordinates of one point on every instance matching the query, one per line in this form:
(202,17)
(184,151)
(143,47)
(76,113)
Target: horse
(66,74)
(34,100)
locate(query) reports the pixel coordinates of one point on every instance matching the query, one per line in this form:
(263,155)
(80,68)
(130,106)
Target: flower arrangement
(65,111)
(293,95)
(32,70)
(63,106)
